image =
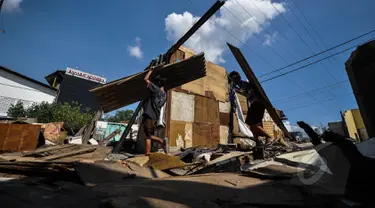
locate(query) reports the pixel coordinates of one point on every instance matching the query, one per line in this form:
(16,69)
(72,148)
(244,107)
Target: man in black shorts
(151,110)
(255,106)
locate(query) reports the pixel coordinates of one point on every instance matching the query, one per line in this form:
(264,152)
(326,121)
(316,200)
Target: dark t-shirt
(155,102)
(248,91)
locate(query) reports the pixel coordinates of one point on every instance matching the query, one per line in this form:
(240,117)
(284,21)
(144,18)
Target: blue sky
(117,38)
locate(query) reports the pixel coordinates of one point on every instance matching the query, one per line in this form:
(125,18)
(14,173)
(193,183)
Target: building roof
(26,77)
(59,74)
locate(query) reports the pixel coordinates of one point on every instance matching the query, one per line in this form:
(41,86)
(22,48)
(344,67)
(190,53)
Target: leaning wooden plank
(132,89)
(46,149)
(253,79)
(68,154)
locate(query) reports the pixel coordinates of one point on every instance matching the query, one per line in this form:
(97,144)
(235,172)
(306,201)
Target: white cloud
(211,38)
(12,5)
(135,51)
(269,39)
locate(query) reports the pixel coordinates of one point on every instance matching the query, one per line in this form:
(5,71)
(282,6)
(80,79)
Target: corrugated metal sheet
(131,89)
(182,107)
(19,137)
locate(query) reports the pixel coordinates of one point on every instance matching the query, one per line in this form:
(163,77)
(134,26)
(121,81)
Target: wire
(282,15)
(260,24)
(297,69)
(257,36)
(255,52)
(308,32)
(325,101)
(277,54)
(312,27)
(244,44)
(317,54)
(2,29)
(314,90)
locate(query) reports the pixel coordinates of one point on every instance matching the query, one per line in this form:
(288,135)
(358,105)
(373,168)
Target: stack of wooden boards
(131,89)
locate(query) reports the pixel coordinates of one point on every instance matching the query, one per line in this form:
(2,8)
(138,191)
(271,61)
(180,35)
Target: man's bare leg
(259,131)
(148,143)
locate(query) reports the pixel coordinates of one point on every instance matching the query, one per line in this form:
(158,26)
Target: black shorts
(255,113)
(148,126)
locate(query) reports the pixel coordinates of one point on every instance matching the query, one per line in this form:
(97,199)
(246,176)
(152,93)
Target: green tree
(43,111)
(16,110)
(120,115)
(71,114)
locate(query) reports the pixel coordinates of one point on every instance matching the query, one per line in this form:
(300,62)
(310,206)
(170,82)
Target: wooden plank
(216,81)
(68,154)
(163,162)
(132,89)
(224,107)
(206,110)
(177,130)
(253,79)
(19,137)
(224,119)
(47,149)
(90,128)
(224,133)
(243,103)
(196,87)
(206,135)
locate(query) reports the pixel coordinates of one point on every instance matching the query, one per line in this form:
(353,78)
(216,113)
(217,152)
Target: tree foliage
(120,115)
(70,113)
(17,110)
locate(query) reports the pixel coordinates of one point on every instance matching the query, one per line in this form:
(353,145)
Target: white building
(16,87)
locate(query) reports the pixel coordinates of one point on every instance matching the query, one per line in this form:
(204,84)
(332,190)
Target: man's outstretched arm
(147,77)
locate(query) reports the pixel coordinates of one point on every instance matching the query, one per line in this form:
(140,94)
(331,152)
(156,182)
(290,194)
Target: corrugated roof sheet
(131,89)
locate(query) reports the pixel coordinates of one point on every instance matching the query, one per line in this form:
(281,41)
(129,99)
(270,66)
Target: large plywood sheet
(224,119)
(224,107)
(224,134)
(188,135)
(19,137)
(243,103)
(216,81)
(196,87)
(177,132)
(182,107)
(268,127)
(206,135)
(181,131)
(206,110)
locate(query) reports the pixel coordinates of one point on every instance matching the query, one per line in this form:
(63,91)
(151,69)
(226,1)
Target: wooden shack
(197,113)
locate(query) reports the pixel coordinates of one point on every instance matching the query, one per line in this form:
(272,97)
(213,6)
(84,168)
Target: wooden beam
(69,154)
(254,80)
(90,128)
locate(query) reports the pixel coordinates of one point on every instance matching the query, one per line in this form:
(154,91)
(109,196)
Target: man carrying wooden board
(256,107)
(151,110)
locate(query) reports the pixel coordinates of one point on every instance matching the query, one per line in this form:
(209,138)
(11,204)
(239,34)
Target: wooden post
(90,128)
(128,128)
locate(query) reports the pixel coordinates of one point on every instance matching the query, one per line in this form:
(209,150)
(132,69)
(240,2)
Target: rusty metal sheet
(18,137)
